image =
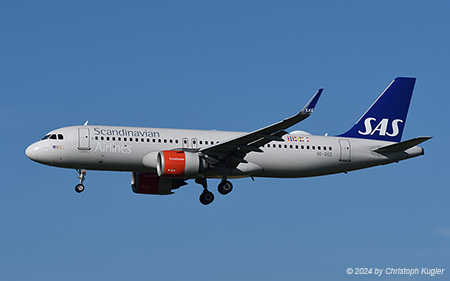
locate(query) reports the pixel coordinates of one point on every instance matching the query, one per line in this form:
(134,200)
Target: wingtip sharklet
(309,107)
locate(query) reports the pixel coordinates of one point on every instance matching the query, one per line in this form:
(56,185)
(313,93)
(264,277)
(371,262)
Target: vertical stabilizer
(386,118)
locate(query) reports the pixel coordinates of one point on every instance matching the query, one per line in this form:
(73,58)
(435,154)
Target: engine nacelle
(147,183)
(178,164)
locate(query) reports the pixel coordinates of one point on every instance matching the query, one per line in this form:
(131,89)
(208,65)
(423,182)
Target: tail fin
(386,118)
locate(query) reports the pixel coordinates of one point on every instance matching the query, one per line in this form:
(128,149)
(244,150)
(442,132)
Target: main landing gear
(207,197)
(225,187)
(82,176)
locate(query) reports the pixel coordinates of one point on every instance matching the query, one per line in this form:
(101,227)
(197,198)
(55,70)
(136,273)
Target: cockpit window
(53,137)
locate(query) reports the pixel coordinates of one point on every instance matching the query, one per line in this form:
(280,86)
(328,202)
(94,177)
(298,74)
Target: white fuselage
(124,148)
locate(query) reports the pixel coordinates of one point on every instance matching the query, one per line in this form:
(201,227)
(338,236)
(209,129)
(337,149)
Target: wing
(233,151)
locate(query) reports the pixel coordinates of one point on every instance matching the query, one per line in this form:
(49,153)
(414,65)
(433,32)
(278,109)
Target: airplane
(162,160)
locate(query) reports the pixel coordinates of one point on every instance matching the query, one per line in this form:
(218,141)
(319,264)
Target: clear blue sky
(226,65)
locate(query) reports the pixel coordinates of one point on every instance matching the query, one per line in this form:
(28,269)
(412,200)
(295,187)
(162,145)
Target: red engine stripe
(174,163)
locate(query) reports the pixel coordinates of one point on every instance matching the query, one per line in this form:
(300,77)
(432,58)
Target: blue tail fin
(386,118)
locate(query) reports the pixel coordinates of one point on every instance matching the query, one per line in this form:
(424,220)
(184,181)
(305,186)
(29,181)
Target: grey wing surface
(233,151)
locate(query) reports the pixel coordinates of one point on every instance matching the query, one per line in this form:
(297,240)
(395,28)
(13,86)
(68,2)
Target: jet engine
(147,183)
(179,164)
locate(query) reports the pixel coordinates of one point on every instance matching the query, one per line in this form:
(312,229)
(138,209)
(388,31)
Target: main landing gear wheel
(225,187)
(207,197)
(79,188)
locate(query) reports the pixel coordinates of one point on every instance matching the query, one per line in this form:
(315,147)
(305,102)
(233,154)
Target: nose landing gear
(82,176)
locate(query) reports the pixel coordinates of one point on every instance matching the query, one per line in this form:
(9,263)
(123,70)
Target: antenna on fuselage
(85,124)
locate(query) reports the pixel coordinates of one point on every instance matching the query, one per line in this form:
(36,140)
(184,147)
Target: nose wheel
(79,188)
(82,176)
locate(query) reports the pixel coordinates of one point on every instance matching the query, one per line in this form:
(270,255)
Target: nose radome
(31,152)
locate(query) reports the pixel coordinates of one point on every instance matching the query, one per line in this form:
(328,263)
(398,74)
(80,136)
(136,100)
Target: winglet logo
(381,128)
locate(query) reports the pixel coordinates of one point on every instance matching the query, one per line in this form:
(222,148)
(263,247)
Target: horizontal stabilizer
(401,146)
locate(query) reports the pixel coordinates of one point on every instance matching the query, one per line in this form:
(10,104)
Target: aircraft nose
(32,152)
(43,153)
